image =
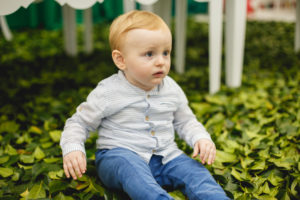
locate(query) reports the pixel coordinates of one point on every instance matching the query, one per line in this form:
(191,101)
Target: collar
(154,91)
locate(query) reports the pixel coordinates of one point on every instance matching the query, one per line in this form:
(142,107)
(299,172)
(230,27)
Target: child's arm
(192,131)
(74,164)
(87,118)
(195,134)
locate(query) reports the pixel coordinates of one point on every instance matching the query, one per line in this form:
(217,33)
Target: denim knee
(193,179)
(124,170)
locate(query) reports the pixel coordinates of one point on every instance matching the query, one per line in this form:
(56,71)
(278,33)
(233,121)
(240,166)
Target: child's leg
(192,178)
(124,170)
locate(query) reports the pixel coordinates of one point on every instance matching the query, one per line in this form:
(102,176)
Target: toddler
(136,113)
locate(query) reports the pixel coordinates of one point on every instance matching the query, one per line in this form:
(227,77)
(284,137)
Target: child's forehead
(144,32)
(148,38)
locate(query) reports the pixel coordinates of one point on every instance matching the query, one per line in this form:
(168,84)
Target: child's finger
(76,168)
(207,153)
(202,153)
(196,150)
(71,170)
(211,157)
(82,163)
(66,171)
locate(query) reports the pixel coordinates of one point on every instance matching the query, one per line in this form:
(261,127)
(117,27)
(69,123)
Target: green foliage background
(256,127)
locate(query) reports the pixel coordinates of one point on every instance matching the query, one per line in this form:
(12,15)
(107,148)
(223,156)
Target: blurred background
(52,55)
(48,13)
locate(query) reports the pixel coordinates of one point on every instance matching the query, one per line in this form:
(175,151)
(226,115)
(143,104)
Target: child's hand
(74,164)
(207,150)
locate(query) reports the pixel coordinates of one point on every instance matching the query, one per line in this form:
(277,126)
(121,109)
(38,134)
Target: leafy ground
(256,127)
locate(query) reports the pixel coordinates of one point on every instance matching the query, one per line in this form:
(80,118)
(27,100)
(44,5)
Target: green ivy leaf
(58,185)
(55,135)
(245,162)
(260,165)
(35,129)
(27,158)
(216,99)
(6,172)
(177,195)
(286,196)
(293,187)
(236,174)
(38,153)
(47,145)
(94,188)
(215,120)
(4,159)
(56,174)
(25,194)
(241,176)
(24,166)
(9,127)
(37,192)
(10,150)
(204,108)
(274,179)
(16,176)
(52,160)
(225,157)
(282,162)
(265,188)
(61,196)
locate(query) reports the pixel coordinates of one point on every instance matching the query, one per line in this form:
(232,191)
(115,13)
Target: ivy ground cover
(256,127)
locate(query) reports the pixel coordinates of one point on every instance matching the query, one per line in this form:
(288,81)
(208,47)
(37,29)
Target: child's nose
(160,61)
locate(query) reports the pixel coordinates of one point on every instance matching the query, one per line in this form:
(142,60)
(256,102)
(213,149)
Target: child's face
(146,55)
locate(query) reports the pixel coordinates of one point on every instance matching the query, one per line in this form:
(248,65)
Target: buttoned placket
(147,118)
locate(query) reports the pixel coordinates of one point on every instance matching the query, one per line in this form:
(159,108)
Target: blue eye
(149,54)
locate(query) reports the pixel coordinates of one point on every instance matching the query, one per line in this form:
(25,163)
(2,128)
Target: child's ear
(118,59)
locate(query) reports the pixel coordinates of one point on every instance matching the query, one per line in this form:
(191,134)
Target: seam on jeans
(184,185)
(142,181)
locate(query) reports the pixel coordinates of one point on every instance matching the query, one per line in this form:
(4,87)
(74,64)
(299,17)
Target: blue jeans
(123,169)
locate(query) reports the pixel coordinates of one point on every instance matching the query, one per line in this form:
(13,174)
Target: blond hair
(132,20)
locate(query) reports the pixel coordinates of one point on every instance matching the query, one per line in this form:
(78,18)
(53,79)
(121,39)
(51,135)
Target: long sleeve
(87,118)
(186,124)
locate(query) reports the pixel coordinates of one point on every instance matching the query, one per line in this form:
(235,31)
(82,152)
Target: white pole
(215,44)
(5,29)
(88,30)
(180,35)
(235,39)
(164,9)
(147,7)
(69,23)
(128,5)
(297,31)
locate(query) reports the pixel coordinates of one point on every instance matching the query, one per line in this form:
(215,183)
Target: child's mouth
(158,74)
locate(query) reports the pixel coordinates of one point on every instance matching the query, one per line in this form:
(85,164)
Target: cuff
(72,147)
(200,136)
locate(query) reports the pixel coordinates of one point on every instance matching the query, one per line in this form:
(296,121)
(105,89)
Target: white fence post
(215,44)
(235,40)
(88,30)
(5,29)
(297,29)
(69,22)
(180,34)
